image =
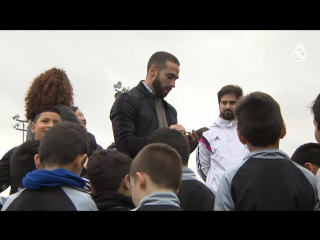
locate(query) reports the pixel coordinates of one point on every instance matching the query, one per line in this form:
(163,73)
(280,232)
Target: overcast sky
(95,60)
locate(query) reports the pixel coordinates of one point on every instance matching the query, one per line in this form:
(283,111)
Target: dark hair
(308,152)
(74,108)
(174,139)
(51,87)
(92,144)
(48,108)
(159,60)
(106,170)
(22,160)
(67,114)
(315,110)
(259,119)
(62,143)
(161,163)
(230,89)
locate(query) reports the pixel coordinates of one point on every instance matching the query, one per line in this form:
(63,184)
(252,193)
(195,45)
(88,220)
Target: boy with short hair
(45,118)
(267,179)
(193,194)
(308,156)
(56,185)
(155,177)
(108,172)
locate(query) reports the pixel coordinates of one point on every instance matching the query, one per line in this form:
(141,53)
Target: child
(56,185)
(193,194)
(308,156)
(108,172)
(267,179)
(45,118)
(155,177)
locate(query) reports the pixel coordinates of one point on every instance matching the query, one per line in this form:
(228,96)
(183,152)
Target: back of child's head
(315,110)
(259,119)
(161,163)
(174,139)
(62,144)
(22,160)
(48,108)
(308,152)
(106,170)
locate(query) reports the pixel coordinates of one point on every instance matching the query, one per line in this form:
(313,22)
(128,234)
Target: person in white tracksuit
(219,148)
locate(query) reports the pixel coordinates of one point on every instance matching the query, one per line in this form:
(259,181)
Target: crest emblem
(299,53)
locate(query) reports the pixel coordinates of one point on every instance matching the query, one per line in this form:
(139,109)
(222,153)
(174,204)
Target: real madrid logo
(299,53)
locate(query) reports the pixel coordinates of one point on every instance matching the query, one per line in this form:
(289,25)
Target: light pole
(17,125)
(119,91)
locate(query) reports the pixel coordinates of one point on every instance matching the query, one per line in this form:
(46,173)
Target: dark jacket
(113,201)
(134,119)
(162,208)
(193,194)
(54,190)
(5,177)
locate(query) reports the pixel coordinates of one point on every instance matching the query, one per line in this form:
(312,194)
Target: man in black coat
(137,113)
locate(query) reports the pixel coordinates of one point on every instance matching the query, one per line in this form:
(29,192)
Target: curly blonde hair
(51,87)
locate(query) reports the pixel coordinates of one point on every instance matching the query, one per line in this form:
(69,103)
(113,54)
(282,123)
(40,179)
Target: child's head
(308,156)
(174,139)
(45,118)
(22,160)
(157,167)
(315,110)
(65,145)
(260,123)
(108,170)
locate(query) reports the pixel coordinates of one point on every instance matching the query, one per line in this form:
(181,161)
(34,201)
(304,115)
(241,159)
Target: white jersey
(219,148)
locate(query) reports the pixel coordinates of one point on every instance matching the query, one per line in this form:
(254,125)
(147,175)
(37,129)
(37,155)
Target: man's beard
(158,89)
(227,115)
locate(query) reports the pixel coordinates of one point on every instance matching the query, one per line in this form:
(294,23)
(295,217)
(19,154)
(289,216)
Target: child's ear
(37,161)
(241,138)
(126,182)
(83,159)
(283,131)
(311,168)
(141,178)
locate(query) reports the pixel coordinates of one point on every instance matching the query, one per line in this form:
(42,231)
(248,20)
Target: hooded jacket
(51,190)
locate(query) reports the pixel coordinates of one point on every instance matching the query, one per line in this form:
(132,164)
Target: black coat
(5,177)
(134,119)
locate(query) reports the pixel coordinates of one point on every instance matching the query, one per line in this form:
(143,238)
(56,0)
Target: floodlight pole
(23,127)
(117,88)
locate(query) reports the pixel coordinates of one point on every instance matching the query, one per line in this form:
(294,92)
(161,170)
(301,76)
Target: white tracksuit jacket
(218,149)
